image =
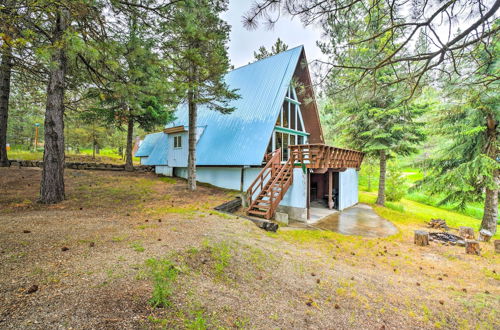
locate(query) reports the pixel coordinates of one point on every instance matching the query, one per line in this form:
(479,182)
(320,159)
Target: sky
(244,42)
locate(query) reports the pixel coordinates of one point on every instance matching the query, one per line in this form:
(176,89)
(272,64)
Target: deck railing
(268,172)
(324,156)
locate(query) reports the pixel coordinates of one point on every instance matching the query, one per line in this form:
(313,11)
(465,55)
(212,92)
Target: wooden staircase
(270,186)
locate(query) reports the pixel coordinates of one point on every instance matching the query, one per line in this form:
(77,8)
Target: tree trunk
(52,184)
(490,216)
(421,237)
(381,182)
(192,141)
(5,73)
(130,133)
(93,141)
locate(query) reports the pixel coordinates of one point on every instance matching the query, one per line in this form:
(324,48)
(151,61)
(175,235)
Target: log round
(466,232)
(497,245)
(421,237)
(472,247)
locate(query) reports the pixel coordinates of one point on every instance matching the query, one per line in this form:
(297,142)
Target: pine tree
(372,117)
(198,53)
(278,47)
(6,65)
(137,88)
(466,167)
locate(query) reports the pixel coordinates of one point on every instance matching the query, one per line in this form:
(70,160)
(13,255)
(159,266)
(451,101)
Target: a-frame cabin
(270,147)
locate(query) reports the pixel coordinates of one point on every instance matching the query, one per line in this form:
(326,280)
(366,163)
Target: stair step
(257,212)
(264,207)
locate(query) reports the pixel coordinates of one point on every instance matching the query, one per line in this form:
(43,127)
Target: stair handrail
(289,164)
(263,174)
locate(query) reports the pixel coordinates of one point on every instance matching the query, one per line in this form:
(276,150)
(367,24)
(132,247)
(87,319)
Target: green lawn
(412,175)
(105,155)
(407,211)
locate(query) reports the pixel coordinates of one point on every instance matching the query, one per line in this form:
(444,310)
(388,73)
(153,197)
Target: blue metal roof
(148,144)
(241,137)
(158,155)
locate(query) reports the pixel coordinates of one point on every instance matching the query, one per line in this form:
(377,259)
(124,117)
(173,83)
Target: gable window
(177,141)
(289,128)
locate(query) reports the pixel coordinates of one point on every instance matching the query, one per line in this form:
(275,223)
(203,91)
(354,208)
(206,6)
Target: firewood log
(497,245)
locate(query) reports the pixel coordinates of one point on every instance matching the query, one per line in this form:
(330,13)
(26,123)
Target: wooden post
(330,189)
(421,237)
(497,245)
(466,232)
(484,235)
(472,247)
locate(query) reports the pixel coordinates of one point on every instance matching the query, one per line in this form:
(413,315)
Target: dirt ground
(95,260)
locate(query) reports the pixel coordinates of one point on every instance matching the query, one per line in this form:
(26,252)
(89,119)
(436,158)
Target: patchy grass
(200,270)
(197,323)
(222,215)
(221,253)
(163,273)
(167,179)
(137,246)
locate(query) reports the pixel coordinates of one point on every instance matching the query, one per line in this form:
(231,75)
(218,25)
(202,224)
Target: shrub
(396,186)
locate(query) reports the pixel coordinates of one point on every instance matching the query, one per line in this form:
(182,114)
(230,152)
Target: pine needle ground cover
(133,251)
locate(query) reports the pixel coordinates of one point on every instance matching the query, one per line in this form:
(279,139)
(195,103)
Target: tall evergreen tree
(137,87)
(198,52)
(8,38)
(278,47)
(466,167)
(372,117)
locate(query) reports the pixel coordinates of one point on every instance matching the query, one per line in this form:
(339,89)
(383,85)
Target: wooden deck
(322,156)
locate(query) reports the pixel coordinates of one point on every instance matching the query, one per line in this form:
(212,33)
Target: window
(285,115)
(293,116)
(290,115)
(289,128)
(177,141)
(270,146)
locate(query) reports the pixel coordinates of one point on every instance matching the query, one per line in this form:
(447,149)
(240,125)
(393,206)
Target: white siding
(143,160)
(296,196)
(165,170)
(224,177)
(348,188)
(230,178)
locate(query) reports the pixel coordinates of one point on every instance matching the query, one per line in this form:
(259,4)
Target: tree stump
(421,237)
(466,232)
(472,247)
(497,245)
(484,235)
